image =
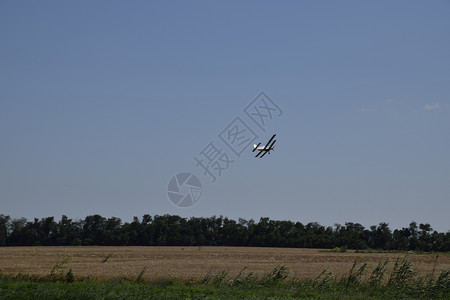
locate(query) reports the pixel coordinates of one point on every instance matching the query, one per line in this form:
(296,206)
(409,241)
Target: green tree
(4,223)
(67,232)
(413,236)
(380,236)
(400,239)
(93,232)
(21,233)
(425,239)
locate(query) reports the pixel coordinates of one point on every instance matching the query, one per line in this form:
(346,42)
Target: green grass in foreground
(402,283)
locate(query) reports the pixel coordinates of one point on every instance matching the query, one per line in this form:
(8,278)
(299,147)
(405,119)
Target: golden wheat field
(196,262)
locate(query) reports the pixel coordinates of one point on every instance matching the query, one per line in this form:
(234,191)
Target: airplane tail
(255,147)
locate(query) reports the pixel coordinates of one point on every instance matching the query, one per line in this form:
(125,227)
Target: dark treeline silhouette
(172,230)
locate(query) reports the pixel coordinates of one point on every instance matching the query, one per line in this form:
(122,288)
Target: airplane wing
(272,144)
(265,152)
(254,149)
(268,143)
(260,151)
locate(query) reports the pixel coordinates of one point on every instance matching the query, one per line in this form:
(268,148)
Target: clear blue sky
(102,102)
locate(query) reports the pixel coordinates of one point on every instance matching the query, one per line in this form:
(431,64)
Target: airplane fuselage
(264,149)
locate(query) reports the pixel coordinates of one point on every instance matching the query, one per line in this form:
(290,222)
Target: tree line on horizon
(173,230)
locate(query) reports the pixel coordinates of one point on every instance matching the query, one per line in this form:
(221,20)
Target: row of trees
(172,230)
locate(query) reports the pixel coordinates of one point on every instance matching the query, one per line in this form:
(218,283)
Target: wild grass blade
(378,273)
(105,259)
(139,278)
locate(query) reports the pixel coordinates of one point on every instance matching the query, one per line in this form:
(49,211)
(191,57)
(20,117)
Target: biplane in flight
(264,149)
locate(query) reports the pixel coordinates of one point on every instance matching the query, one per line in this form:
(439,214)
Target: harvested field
(196,262)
